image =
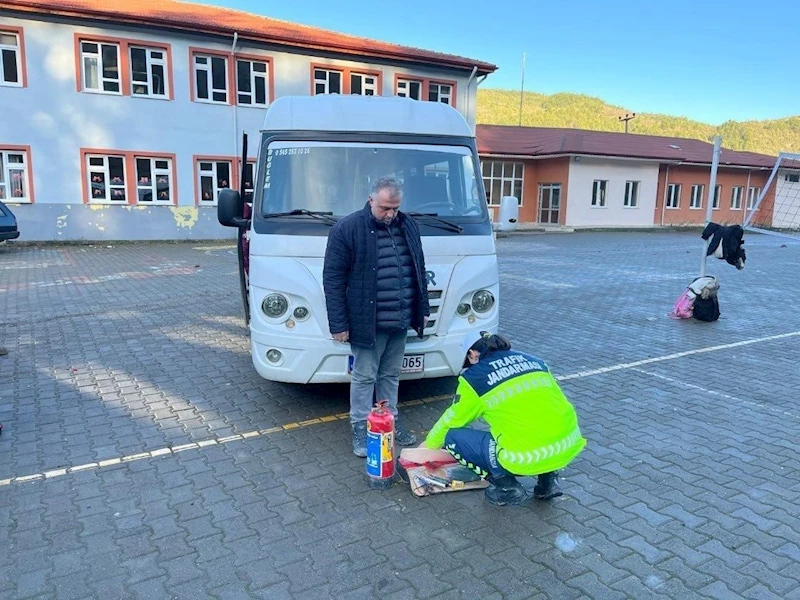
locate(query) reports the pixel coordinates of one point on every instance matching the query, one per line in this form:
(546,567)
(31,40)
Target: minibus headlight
(463,309)
(482,301)
(275,305)
(300,313)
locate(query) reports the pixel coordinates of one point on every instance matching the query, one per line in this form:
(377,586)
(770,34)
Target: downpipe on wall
(235,104)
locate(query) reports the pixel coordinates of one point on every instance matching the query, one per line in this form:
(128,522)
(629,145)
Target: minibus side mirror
(230,208)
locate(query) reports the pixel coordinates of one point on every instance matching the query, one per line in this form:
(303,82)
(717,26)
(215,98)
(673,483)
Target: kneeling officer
(533,427)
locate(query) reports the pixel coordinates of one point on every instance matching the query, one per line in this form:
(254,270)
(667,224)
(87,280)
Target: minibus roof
(374,114)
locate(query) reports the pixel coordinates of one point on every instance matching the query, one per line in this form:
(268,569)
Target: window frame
(269,77)
(154,169)
(230,76)
(716,201)
(88,170)
(233,163)
(603,188)
(502,178)
(19,49)
(740,188)
(102,80)
(792,177)
(345,73)
(27,169)
(693,196)
(131,184)
(126,72)
(634,186)
(426,82)
(753,192)
(149,66)
(676,196)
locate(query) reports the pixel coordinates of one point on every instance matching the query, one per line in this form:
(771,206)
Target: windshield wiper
(317,214)
(435,217)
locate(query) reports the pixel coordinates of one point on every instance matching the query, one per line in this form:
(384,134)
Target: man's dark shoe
(402,436)
(547,487)
(505,491)
(360,438)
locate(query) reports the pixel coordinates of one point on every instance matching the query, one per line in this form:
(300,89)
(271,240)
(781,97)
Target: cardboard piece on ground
(436,471)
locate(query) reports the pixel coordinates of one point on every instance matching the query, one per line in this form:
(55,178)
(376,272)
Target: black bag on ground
(706,309)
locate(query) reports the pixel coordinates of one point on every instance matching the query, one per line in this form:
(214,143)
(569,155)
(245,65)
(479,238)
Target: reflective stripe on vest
(544,452)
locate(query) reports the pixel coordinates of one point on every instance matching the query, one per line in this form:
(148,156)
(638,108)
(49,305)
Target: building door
(549,203)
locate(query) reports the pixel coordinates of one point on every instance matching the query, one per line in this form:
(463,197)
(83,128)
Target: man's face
(384,205)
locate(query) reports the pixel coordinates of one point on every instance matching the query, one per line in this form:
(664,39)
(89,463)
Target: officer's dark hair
(490,342)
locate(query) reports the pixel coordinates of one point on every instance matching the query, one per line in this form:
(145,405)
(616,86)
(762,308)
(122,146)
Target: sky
(708,60)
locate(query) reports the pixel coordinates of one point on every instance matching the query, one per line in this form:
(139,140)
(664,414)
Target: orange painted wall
(688,176)
(550,170)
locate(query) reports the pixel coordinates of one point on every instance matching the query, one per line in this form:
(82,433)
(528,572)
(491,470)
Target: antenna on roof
(627,118)
(522,89)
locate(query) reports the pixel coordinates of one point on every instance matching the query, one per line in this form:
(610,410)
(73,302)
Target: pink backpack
(684,306)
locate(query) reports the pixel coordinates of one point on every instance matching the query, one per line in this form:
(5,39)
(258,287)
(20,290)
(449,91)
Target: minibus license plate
(412,363)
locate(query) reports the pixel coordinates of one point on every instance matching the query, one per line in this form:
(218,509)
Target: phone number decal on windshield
(288,151)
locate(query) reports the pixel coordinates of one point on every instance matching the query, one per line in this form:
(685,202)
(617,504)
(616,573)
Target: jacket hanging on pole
(726,243)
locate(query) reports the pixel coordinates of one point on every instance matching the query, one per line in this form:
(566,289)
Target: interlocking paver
(681,492)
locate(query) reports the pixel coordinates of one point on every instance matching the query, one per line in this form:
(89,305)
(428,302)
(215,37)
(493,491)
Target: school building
(122,120)
(581,179)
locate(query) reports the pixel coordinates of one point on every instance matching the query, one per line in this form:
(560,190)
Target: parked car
(8,224)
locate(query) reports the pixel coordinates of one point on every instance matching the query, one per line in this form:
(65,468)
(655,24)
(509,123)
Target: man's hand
(342,337)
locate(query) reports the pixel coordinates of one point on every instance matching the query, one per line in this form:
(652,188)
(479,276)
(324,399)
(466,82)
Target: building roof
(201,18)
(380,114)
(546,141)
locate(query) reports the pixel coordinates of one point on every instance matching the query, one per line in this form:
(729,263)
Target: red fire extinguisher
(380,446)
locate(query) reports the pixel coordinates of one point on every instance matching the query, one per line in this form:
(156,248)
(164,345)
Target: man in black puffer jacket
(375,290)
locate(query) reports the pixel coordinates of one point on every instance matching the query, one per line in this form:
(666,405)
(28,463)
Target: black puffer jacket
(396,286)
(350,276)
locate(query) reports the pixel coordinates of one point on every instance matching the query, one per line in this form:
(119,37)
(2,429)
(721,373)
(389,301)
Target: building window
(213,176)
(10,59)
(252,82)
(249,188)
(210,78)
(100,67)
(674,195)
(792,177)
(14,182)
(631,199)
(502,179)
(599,193)
(752,197)
(440,92)
(149,72)
(736,197)
(363,84)
(409,88)
(327,81)
(696,201)
(106,179)
(154,180)
(717,196)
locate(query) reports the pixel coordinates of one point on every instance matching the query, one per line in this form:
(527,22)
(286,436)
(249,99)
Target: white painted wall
(786,213)
(56,120)
(581,213)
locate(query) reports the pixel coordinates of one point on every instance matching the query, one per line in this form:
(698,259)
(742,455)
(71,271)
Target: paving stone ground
(688,486)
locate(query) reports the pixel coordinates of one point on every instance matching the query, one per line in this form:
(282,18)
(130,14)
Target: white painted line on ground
(720,394)
(658,359)
(168,451)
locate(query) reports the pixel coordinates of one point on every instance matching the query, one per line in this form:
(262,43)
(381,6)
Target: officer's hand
(342,337)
